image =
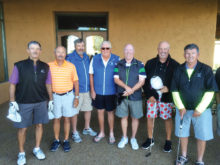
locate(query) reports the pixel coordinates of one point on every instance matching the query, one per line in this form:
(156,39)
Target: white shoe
(38,153)
(134,144)
(123,142)
(21,159)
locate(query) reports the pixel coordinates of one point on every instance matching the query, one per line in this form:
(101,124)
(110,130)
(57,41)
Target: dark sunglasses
(105,48)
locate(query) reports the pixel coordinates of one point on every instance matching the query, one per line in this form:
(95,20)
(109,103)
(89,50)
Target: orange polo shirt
(62,76)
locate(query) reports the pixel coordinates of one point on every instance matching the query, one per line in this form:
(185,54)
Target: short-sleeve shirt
(63,76)
(14,79)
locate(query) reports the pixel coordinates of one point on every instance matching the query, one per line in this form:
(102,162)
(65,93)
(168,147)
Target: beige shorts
(85,102)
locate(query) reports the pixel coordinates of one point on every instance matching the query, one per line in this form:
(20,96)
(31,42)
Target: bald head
(163,44)
(163,51)
(129,52)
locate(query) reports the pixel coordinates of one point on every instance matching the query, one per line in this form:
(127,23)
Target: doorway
(91,27)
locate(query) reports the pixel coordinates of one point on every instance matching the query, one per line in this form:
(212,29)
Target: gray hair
(106,42)
(191,46)
(77,41)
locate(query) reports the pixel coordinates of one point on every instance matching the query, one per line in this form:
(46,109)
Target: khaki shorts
(85,102)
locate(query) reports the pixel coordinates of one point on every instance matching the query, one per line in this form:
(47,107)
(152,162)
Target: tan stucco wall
(4,92)
(142,23)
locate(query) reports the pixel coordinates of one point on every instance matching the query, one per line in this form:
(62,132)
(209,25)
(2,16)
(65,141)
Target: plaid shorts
(165,110)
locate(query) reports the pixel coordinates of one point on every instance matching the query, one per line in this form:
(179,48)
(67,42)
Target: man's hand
(93,94)
(182,112)
(50,105)
(196,113)
(152,99)
(76,102)
(128,90)
(164,89)
(14,105)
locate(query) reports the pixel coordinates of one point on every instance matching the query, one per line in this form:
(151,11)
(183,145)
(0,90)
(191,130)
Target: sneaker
(76,138)
(149,142)
(55,145)
(38,153)
(66,146)
(199,163)
(167,146)
(89,131)
(21,158)
(182,160)
(123,142)
(134,144)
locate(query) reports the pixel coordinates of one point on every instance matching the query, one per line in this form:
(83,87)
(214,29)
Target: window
(91,27)
(3,57)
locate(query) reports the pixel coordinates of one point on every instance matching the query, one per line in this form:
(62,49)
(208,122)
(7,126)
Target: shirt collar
(64,63)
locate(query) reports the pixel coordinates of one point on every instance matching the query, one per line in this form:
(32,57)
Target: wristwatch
(77,97)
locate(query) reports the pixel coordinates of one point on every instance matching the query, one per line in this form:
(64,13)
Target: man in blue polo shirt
(103,88)
(81,61)
(193,86)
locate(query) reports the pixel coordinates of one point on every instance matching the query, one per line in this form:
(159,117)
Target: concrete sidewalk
(90,153)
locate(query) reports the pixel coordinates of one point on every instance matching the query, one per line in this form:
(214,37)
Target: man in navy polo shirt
(103,88)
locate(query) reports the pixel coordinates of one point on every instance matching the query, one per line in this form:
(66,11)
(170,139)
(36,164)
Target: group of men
(73,83)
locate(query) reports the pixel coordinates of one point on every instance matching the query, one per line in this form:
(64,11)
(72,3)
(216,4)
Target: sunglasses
(105,48)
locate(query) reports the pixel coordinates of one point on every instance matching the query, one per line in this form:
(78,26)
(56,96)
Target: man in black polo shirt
(30,90)
(163,67)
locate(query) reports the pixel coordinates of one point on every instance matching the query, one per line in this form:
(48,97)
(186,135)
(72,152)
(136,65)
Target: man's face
(106,50)
(80,47)
(129,52)
(163,50)
(60,54)
(191,56)
(34,51)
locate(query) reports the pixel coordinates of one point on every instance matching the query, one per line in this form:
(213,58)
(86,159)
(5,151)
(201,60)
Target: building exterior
(143,23)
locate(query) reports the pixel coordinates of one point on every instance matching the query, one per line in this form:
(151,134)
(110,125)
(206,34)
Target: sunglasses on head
(105,48)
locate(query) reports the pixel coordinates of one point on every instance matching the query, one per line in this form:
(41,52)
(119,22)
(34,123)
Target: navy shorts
(107,102)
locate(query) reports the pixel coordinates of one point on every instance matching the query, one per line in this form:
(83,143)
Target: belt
(61,94)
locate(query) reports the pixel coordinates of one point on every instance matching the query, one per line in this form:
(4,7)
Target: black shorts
(107,102)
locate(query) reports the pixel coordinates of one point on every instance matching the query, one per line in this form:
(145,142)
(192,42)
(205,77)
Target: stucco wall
(142,23)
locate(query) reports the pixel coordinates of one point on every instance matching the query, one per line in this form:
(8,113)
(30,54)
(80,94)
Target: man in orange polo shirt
(64,78)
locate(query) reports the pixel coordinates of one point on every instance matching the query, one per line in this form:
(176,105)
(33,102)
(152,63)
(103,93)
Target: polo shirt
(63,76)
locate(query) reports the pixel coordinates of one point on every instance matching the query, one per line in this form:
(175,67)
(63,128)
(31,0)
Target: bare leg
(66,128)
(200,149)
(56,128)
(168,126)
(184,144)
(135,123)
(21,138)
(87,117)
(150,127)
(74,123)
(39,133)
(101,118)
(124,126)
(111,123)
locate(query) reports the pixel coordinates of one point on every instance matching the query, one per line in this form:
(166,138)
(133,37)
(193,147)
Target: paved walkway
(90,153)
